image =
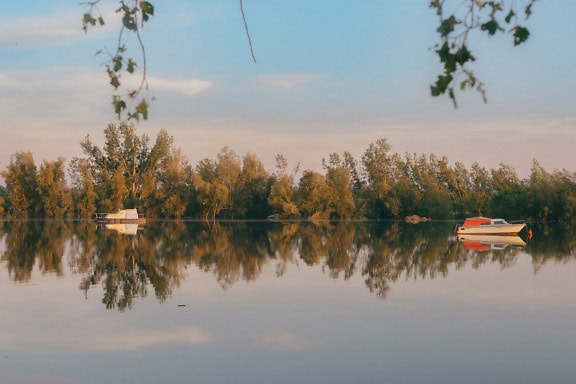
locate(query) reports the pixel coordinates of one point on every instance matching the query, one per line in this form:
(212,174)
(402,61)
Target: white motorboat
(487,226)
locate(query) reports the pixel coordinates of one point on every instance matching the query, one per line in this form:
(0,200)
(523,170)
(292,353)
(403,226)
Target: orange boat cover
(475,221)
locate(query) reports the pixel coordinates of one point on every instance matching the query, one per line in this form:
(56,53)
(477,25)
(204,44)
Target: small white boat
(122,216)
(486,226)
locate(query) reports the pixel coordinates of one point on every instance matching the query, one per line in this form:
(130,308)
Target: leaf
(447,26)
(128,20)
(509,16)
(88,19)
(131,66)
(521,34)
(491,27)
(453,97)
(117,60)
(447,58)
(463,55)
(441,85)
(119,105)
(528,10)
(147,10)
(114,79)
(142,109)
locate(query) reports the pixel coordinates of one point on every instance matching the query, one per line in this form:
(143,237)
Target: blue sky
(330,76)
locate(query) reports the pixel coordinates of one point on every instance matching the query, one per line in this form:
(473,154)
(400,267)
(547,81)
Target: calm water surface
(284,303)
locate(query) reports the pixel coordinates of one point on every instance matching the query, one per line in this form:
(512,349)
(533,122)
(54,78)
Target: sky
(330,76)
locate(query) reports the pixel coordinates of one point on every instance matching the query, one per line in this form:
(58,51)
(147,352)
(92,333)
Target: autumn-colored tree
(378,171)
(340,185)
(83,189)
(251,195)
(128,157)
(313,196)
(211,196)
(22,185)
(54,193)
(175,185)
(281,199)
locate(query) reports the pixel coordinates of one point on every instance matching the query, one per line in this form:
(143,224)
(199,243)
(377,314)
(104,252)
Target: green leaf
(441,85)
(447,58)
(528,10)
(147,10)
(119,105)
(88,19)
(491,27)
(117,60)
(128,20)
(509,16)
(447,26)
(453,97)
(131,66)
(463,55)
(521,34)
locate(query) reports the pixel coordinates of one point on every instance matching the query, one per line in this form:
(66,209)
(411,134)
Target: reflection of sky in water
(488,325)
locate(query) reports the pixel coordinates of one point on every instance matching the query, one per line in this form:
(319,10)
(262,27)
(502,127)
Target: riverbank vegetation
(156,178)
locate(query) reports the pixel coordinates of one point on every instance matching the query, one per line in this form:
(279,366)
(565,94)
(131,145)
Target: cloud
(283,341)
(52,29)
(285,81)
(188,87)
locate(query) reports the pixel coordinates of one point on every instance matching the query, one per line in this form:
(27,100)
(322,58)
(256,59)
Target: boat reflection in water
(123,228)
(490,242)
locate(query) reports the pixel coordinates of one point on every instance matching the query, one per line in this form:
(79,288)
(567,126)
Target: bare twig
(247,33)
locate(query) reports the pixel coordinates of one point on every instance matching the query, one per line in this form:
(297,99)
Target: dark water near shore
(261,302)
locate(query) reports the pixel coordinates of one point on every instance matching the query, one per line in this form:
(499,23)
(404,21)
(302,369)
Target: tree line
(155,177)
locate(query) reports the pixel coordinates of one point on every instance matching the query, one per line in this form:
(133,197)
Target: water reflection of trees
(156,258)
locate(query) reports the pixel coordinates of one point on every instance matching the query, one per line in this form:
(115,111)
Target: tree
(211,196)
(253,189)
(340,189)
(3,197)
(52,189)
(281,199)
(126,167)
(313,196)
(454,28)
(378,168)
(175,183)
(83,190)
(22,185)
(228,168)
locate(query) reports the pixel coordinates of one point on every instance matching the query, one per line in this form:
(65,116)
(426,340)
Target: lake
(262,302)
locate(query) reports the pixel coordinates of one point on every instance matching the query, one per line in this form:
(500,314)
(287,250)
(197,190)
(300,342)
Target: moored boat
(487,226)
(122,216)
